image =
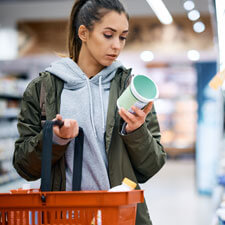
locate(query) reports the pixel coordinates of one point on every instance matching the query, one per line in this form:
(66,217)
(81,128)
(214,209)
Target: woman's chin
(108,62)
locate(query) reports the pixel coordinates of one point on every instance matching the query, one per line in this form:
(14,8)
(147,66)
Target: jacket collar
(117,87)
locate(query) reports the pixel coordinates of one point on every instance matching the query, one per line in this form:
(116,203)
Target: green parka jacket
(137,155)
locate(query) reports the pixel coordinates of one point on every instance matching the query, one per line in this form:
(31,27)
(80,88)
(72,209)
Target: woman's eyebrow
(110,28)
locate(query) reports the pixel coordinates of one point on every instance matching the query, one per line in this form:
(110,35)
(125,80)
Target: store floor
(172,198)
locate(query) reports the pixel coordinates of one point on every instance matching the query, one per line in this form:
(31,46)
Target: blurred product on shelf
(220,212)
(14,78)
(177,107)
(12,87)
(9,108)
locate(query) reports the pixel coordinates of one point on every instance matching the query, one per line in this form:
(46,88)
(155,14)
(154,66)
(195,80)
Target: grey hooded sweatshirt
(86,101)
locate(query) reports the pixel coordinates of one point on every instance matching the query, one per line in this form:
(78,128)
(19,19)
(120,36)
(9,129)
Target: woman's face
(105,42)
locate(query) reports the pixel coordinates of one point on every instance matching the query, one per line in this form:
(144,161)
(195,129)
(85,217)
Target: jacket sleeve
(28,147)
(143,145)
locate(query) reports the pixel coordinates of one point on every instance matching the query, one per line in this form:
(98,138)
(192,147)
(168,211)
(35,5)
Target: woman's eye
(123,38)
(108,35)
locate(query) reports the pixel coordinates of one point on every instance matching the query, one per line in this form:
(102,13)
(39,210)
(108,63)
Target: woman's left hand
(136,120)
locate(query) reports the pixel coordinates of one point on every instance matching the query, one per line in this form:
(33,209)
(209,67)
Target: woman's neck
(88,65)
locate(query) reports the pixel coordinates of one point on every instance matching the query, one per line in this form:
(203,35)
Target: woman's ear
(83,33)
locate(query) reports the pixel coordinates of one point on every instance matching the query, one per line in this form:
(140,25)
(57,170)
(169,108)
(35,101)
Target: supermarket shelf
(8,177)
(11,91)
(175,152)
(14,184)
(12,136)
(10,97)
(8,117)
(5,157)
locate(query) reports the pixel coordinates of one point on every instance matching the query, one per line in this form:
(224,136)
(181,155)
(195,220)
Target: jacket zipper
(126,80)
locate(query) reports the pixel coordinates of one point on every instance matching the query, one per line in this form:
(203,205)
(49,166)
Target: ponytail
(74,42)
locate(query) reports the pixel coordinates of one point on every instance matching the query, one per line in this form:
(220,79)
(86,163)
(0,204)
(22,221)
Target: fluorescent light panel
(194,15)
(220,8)
(189,5)
(147,56)
(8,43)
(161,11)
(193,55)
(199,27)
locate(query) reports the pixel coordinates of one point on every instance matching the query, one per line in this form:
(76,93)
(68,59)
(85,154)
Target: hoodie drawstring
(91,106)
(102,104)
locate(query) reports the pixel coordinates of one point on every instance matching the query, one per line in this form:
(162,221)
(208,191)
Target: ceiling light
(189,5)
(161,11)
(8,43)
(147,56)
(193,15)
(220,14)
(199,27)
(193,55)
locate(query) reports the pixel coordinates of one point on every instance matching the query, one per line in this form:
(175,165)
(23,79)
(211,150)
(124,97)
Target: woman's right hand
(70,128)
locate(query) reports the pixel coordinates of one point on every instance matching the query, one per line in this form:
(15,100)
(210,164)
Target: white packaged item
(127,185)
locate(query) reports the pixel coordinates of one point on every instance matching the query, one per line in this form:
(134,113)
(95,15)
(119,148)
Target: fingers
(138,112)
(148,108)
(136,119)
(127,116)
(73,128)
(58,117)
(70,128)
(139,116)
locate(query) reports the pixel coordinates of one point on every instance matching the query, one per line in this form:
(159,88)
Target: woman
(82,90)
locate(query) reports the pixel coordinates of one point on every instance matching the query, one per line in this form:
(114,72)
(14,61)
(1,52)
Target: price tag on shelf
(217,80)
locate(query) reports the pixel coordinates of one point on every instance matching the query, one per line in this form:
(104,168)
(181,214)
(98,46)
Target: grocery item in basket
(127,185)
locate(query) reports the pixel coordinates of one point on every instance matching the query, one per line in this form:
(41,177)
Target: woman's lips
(112,56)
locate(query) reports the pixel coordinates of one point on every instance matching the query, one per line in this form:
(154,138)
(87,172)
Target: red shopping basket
(38,207)
(30,207)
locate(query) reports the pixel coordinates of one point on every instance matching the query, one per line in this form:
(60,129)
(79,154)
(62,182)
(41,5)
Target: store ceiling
(141,7)
(14,11)
(135,7)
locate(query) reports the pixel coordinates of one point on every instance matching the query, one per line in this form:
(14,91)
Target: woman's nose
(116,44)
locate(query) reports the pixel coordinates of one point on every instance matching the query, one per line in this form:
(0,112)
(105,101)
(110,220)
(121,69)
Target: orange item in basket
(32,207)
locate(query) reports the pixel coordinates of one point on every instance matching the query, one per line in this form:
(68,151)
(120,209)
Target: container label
(139,105)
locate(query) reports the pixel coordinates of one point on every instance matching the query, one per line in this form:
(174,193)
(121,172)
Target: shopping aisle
(172,198)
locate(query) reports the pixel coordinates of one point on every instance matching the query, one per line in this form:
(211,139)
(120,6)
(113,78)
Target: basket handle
(46,157)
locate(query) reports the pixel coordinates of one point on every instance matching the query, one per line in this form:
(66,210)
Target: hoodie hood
(74,78)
